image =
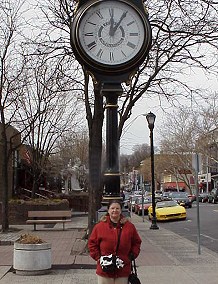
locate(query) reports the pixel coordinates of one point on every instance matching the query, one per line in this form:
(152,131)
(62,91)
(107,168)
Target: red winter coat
(103,241)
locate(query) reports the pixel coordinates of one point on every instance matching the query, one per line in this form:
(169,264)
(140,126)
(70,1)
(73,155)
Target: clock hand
(117,25)
(111,23)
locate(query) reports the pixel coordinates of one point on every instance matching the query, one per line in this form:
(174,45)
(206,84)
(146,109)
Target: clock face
(110,33)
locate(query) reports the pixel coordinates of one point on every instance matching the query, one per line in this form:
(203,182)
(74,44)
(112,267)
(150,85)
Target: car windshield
(163,204)
(179,194)
(146,200)
(134,197)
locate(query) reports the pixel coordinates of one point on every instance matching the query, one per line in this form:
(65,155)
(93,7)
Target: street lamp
(151,119)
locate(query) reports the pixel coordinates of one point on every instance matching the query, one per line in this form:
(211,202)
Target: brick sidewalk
(165,257)
(159,247)
(69,246)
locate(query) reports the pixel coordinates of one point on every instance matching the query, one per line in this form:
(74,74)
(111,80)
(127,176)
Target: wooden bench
(48,217)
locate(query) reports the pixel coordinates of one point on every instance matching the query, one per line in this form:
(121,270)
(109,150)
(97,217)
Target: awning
(174,184)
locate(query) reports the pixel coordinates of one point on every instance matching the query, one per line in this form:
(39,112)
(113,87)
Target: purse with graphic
(109,263)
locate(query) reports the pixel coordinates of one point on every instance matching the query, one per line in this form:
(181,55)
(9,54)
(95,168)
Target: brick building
(13,142)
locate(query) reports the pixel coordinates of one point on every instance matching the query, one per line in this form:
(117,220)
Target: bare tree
(73,149)
(45,109)
(184,132)
(208,116)
(10,72)
(55,38)
(74,146)
(140,153)
(184,37)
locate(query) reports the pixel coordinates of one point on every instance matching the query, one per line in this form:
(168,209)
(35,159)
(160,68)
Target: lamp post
(151,119)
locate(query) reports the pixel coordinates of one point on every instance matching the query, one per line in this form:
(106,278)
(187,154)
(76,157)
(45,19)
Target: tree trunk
(95,159)
(5,222)
(34,186)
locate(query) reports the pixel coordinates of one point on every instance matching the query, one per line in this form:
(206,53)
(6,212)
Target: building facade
(13,143)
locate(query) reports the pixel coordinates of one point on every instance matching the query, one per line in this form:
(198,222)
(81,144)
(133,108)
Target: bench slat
(47,221)
(49,217)
(46,214)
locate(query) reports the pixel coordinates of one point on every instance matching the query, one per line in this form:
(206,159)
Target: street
(189,229)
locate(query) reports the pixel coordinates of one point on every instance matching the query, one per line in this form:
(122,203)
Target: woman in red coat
(103,244)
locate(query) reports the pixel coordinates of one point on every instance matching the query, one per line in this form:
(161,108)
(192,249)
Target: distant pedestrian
(122,195)
(114,241)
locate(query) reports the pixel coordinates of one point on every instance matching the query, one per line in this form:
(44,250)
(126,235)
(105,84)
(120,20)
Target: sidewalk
(165,257)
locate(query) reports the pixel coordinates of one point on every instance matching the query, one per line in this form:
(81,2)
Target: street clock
(111,36)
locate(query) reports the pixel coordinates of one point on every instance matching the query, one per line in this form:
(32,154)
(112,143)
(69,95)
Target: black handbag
(110,268)
(133,277)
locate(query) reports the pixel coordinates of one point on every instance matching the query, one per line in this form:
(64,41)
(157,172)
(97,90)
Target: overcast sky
(137,131)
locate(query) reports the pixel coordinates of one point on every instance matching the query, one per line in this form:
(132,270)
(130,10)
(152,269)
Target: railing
(29,193)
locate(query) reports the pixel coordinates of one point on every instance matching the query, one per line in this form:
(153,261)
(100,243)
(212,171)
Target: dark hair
(114,201)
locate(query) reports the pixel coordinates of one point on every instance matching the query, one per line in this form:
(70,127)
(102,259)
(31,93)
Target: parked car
(168,210)
(158,197)
(213,196)
(203,197)
(182,199)
(131,202)
(138,205)
(126,199)
(166,196)
(192,197)
(137,192)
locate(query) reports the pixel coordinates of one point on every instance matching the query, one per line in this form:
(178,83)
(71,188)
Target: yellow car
(168,210)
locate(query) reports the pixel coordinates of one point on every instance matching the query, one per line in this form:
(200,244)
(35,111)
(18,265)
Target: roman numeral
(131,45)
(133,34)
(123,53)
(111,56)
(100,52)
(91,45)
(130,23)
(99,14)
(91,23)
(88,34)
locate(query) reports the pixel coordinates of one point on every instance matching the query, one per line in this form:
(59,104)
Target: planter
(32,259)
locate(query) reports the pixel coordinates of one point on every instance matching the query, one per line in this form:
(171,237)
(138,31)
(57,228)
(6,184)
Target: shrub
(30,239)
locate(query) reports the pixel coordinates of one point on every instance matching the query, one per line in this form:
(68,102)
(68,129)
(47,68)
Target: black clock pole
(112,173)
